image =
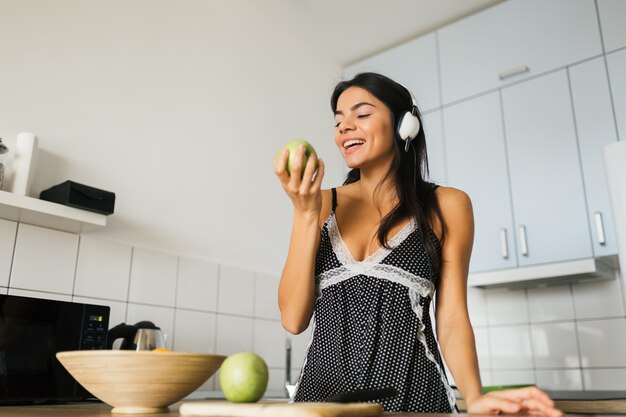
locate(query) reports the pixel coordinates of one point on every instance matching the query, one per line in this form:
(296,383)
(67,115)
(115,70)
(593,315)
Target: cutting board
(282,409)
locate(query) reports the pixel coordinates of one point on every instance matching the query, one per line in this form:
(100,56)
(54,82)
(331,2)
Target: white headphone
(409,125)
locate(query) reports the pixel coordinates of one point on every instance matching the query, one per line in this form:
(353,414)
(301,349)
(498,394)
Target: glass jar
(3,151)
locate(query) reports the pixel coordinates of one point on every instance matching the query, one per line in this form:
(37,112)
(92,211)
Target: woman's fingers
(317,182)
(532,400)
(489,404)
(280,166)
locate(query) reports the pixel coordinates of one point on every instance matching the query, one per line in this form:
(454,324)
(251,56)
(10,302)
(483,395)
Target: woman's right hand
(305,193)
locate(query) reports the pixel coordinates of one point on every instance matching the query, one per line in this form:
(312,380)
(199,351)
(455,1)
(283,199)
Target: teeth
(353,142)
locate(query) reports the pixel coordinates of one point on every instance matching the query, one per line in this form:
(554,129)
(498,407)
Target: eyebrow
(356,106)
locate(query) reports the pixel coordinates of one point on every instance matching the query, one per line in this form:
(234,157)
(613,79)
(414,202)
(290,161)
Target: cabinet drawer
(514,40)
(413,64)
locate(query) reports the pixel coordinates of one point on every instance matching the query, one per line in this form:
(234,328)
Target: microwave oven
(32,331)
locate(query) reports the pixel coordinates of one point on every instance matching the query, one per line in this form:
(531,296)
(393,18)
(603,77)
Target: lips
(352,144)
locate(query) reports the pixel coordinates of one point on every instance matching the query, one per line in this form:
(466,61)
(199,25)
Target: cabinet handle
(513,71)
(522,240)
(600,228)
(504,243)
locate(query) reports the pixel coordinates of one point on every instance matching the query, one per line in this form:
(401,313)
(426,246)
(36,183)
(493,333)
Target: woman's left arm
(454,329)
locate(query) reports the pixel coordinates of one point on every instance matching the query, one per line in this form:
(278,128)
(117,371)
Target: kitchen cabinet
(476,157)
(414,64)
(515,40)
(595,127)
(433,130)
(612,14)
(544,164)
(616,63)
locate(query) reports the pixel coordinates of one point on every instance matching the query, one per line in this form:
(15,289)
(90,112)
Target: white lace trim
(415,305)
(343,252)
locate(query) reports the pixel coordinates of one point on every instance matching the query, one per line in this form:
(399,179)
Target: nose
(346,125)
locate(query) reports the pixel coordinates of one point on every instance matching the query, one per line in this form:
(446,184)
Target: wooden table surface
(99,409)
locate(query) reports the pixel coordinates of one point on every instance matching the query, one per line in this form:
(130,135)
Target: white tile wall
(555,345)
(560,379)
(605,379)
(163,317)
(44,260)
(510,347)
(103,269)
(602,342)
(476,304)
(513,377)
(552,303)
(236,292)
(234,334)
(266,296)
(269,342)
(153,278)
(194,331)
(481,336)
(197,285)
(39,294)
(598,299)
(7,242)
(506,306)
(4,290)
(277,379)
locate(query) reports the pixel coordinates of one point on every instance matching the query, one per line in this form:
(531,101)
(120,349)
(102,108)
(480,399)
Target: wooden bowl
(139,381)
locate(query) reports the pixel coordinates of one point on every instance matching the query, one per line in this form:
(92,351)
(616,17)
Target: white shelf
(43,213)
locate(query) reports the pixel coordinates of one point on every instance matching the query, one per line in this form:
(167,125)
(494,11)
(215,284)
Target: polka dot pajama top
(372,326)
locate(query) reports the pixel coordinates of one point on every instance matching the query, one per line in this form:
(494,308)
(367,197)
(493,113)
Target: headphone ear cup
(409,126)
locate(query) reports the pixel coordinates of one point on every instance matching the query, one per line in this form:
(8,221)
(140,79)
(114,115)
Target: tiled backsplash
(563,337)
(201,306)
(567,337)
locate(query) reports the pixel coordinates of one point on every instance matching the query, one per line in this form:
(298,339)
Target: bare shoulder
(453,201)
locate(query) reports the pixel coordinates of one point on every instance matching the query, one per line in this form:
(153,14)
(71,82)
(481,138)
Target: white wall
(177,107)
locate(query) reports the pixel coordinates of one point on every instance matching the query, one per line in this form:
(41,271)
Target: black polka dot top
(371,325)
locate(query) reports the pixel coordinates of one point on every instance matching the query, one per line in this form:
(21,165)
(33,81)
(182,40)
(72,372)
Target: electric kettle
(141,336)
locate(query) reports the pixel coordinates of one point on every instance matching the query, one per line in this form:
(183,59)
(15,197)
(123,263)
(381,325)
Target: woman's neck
(374,187)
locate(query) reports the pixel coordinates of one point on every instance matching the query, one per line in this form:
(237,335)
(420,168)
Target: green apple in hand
(309,151)
(244,377)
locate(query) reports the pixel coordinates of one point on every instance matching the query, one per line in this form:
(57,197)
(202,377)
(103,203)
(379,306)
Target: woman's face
(364,129)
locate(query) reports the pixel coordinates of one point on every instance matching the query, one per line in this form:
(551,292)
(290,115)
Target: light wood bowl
(139,381)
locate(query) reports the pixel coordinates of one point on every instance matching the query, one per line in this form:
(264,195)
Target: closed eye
(363,116)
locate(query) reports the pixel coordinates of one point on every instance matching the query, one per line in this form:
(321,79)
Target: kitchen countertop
(94,409)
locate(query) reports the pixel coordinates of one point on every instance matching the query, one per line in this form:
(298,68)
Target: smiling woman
(367,259)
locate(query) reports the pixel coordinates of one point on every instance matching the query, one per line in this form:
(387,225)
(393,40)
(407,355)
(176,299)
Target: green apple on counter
(309,151)
(244,377)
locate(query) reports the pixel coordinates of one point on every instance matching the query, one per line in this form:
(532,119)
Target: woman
(366,260)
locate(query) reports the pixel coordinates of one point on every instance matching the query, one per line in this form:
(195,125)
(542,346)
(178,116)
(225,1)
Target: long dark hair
(416,196)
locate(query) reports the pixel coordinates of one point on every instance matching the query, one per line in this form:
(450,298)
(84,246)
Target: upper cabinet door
(596,129)
(612,17)
(476,158)
(546,178)
(514,40)
(413,64)
(617,77)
